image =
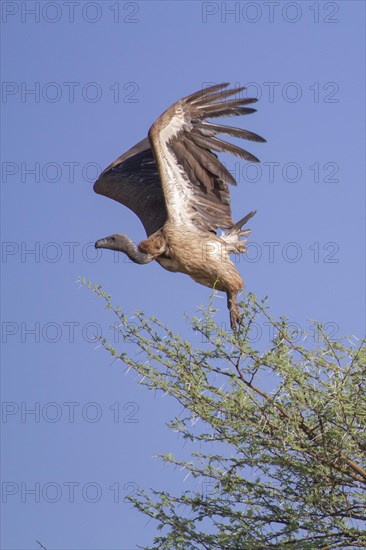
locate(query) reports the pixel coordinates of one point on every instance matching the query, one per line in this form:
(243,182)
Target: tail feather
(232,236)
(244,220)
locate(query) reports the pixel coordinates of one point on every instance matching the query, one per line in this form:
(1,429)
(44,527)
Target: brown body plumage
(178,188)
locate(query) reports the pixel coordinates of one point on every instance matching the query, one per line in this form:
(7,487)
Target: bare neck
(124,244)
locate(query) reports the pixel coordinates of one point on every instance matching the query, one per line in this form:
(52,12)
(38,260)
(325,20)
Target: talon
(234,320)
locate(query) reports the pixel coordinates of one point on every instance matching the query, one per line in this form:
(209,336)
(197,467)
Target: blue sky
(101,73)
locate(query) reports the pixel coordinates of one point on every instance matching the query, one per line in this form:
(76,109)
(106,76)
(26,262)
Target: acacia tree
(281,435)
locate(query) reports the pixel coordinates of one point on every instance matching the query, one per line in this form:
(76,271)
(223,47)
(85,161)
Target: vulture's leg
(233,309)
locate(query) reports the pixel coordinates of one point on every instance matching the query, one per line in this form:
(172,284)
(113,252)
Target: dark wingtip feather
(97,186)
(206,91)
(247,110)
(236,111)
(209,128)
(218,96)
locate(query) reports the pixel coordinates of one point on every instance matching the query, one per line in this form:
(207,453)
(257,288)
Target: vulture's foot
(235,318)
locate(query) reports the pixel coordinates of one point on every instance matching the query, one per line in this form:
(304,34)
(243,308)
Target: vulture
(174,182)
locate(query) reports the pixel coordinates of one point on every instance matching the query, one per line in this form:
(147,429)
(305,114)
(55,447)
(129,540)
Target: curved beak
(101,243)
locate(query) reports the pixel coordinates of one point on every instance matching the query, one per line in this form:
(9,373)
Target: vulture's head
(113,242)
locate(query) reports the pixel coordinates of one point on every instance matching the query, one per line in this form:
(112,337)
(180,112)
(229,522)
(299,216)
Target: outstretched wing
(193,180)
(188,180)
(133,180)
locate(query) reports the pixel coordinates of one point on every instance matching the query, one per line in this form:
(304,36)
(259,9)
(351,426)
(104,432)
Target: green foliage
(281,434)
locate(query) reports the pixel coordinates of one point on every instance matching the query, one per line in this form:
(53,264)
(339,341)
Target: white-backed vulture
(179,189)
